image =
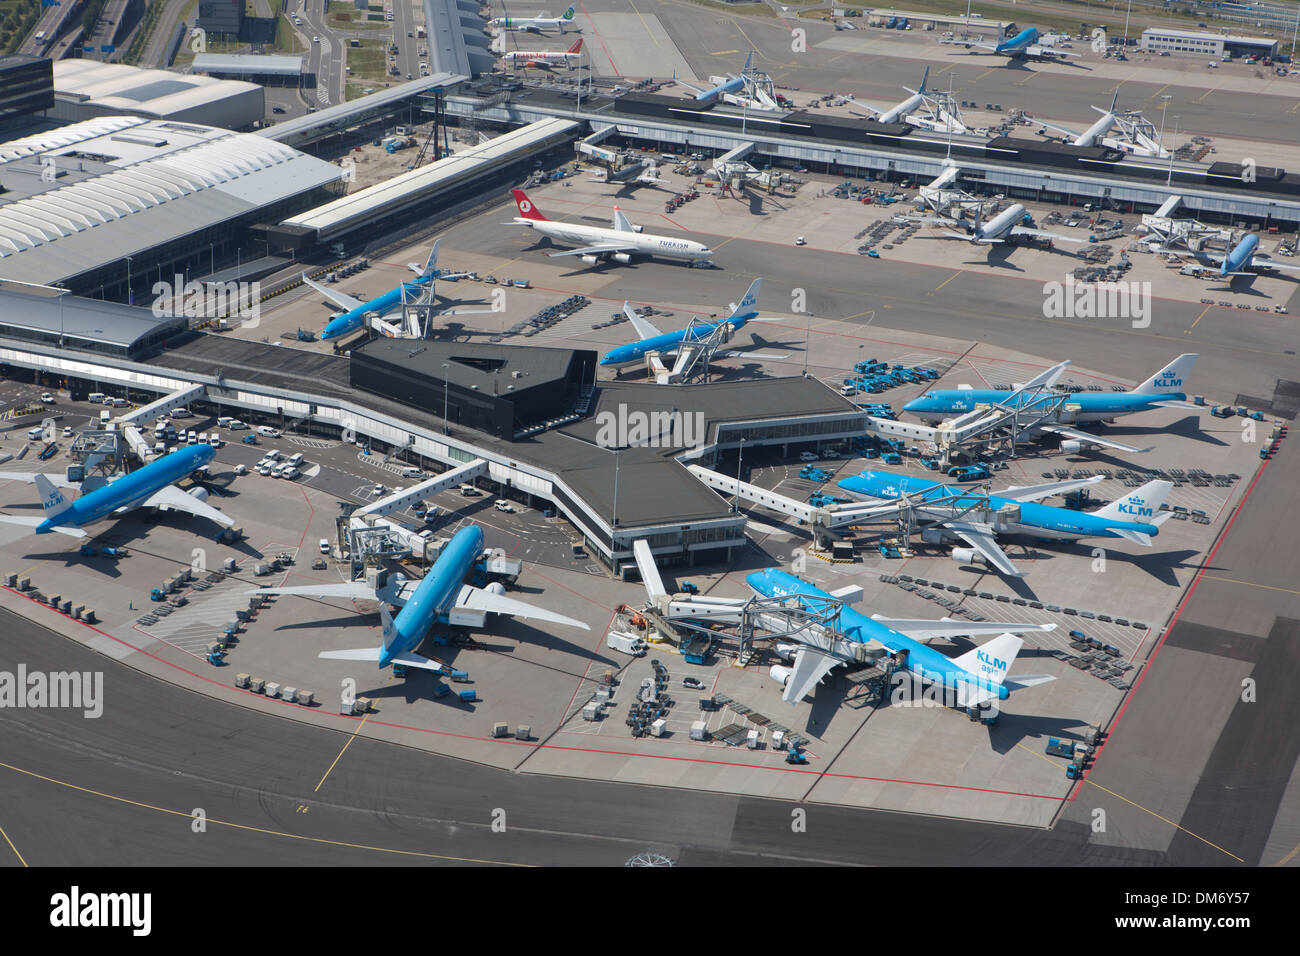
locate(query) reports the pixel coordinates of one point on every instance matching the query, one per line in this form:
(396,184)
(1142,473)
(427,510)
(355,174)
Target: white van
(95,398)
(160,448)
(324,545)
(411,473)
(191,437)
(36,434)
(266,431)
(224,421)
(181,413)
(120,403)
(295,460)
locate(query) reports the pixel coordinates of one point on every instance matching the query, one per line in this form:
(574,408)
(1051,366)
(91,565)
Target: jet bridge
(401,500)
(160,407)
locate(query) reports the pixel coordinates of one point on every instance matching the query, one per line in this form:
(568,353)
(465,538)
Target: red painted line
(599,39)
(1209,558)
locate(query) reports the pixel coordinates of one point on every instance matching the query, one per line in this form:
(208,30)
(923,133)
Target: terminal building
(1157,40)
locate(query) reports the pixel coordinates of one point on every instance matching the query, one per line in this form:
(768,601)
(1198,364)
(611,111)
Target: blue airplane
(352,319)
(653,340)
(151,486)
(1241,261)
(731,85)
(1024,45)
(1164,389)
(975,677)
(424,603)
(966,513)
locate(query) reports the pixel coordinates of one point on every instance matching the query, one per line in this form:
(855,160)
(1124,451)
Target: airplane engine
(200,494)
(1071,447)
(933,535)
(785,651)
(496,587)
(967,556)
(780,674)
(622,257)
(589,260)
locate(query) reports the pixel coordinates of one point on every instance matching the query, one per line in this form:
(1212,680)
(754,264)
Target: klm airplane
(424,603)
(354,316)
(975,677)
(1241,261)
(1024,45)
(1164,389)
(653,340)
(967,514)
(149,487)
(731,85)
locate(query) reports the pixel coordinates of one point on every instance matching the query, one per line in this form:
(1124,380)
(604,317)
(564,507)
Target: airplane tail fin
(526,208)
(748,59)
(1141,505)
(747,307)
(431,264)
(577,47)
(389,628)
(621,223)
(52,499)
(568,14)
(993,660)
(924,77)
(1171,378)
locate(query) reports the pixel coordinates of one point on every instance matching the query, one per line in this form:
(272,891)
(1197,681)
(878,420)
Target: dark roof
(472,364)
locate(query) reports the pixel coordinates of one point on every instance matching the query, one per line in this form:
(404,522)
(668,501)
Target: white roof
(66,136)
(128,88)
(59,212)
(368,200)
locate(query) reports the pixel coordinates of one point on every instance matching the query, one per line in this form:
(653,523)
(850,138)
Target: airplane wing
(980,537)
(58,481)
(600,250)
(1037,492)
(172,498)
(1089,438)
(35,521)
(968,43)
(927,630)
(1059,129)
(810,666)
(644,327)
(1175,403)
(754,355)
(477,599)
(341,299)
(1044,234)
(351,590)
(1261,263)
(1046,52)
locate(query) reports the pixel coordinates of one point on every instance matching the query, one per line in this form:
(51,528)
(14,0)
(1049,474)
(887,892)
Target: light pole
(740,458)
(1164,113)
(1294,30)
(130,296)
(1126,16)
(1170,178)
(445,374)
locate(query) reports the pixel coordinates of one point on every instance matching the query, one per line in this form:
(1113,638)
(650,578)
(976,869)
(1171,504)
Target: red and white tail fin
(526,208)
(577,47)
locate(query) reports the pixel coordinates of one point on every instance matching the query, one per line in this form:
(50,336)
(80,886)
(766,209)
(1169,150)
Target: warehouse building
(1158,40)
(86,89)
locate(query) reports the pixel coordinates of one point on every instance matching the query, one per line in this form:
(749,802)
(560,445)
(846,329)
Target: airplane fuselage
(130,490)
(640,243)
(436,593)
(636,351)
(922,661)
(392,299)
(1020,517)
(1093,406)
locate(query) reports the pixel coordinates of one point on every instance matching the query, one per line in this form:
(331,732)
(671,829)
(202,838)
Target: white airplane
(941,118)
(543,57)
(596,243)
(1137,139)
(537,24)
(1006,225)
